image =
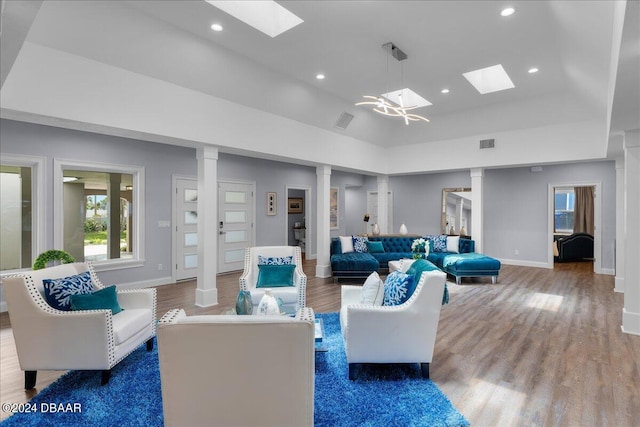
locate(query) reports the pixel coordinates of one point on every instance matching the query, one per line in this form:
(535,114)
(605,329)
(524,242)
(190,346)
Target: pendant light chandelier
(385,106)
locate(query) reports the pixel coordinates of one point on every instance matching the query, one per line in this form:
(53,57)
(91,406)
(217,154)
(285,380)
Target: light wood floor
(540,348)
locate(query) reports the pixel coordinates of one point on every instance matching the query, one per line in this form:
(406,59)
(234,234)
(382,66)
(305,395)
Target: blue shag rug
(382,395)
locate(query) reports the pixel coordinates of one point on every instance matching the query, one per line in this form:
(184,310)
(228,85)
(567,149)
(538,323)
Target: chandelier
(385,106)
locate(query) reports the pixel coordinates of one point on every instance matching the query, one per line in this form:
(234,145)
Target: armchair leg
(106,376)
(424,367)
(30,379)
(353,369)
(150,344)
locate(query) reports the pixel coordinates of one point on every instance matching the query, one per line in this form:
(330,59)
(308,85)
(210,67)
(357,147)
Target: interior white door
(372,209)
(235,224)
(186,228)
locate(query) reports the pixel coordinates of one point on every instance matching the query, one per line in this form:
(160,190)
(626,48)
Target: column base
(207,297)
(323,271)
(630,322)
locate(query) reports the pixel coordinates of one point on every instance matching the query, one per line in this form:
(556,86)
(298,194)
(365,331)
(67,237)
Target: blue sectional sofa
(361,264)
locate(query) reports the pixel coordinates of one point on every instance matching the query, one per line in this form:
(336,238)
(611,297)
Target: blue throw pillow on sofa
(360,243)
(58,292)
(398,288)
(439,243)
(375,247)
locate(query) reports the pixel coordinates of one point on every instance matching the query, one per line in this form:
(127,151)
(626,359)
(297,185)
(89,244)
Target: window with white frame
(564,200)
(99,212)
(21,213)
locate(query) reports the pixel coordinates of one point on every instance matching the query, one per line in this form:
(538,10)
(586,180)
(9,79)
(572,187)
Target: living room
(156,116)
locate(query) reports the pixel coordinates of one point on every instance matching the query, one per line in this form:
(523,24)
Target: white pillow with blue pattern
(439,243)
(275,260)
(398,288)
(58,292)
(360,243)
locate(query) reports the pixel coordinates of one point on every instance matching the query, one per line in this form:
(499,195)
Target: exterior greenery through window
(97,211)
(564,210)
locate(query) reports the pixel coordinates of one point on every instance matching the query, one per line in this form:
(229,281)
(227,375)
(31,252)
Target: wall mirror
(456,211)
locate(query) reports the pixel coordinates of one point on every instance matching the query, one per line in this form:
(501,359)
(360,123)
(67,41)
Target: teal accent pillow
(419,267)
(58,292)
(275,276)
(398,288)
(375,247)
(103,299)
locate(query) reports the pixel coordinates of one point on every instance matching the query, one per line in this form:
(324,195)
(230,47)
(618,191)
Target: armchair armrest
(49,340)
(137,298)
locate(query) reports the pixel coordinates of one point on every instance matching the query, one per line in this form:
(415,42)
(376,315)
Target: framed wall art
(272,203)
(294,205)
(334,208)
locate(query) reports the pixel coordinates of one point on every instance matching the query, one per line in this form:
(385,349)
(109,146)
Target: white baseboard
(146,283)
(524,263)
(619,287)
(608,271)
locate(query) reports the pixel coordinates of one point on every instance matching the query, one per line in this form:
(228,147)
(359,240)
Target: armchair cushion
(103,299)
(275,276)
(398,288)
(58,291)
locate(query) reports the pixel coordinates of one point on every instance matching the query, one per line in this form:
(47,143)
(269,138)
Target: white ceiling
(573,43)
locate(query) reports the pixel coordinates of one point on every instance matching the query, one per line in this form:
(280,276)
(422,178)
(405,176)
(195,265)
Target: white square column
(631,310)
(620,218)
(477,178)
(383,204)
(206,291)
(323,265)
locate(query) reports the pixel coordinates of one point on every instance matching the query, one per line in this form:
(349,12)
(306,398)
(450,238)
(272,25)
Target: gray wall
(516,209)
(160,162)
(515,204)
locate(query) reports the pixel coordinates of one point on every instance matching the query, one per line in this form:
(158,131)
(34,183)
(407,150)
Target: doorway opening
(574,224)
(298,219)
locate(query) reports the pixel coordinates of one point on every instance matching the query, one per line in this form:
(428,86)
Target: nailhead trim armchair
(51,339)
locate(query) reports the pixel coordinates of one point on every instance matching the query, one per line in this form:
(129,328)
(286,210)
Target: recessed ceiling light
(533,70)
(216,27)
(507,11)
(444,91)
(490,79)
(320,76)
(265,15)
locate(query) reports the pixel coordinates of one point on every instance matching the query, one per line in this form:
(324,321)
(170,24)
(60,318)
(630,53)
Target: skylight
(264,15)
(490,79)
(406,98)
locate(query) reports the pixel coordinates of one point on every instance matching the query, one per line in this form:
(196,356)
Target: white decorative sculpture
(268,304)
(403,230)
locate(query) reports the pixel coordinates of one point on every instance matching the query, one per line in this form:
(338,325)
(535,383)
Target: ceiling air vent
(487,143)
(344,120)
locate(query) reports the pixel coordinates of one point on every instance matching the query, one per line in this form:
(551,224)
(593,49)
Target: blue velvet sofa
(361,264)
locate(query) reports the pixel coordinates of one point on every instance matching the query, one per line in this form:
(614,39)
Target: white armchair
(404,333)
(236,370)
(293,297)
(51,339)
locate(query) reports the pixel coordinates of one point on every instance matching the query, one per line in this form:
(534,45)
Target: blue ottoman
(471,265)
